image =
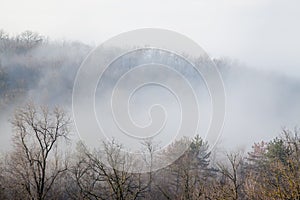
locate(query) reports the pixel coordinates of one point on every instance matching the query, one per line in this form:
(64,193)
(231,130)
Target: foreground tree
(186,178)
(276,175)
(36,162)
(230,184)
(96,180)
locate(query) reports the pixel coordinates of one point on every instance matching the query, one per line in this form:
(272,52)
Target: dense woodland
(40,165)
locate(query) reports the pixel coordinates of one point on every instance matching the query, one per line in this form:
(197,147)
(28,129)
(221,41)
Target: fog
(260,33)
(259,103)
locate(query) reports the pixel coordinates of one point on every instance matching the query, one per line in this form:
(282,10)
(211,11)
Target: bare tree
(111,180)
(4,37)
(29,39)
(232,180)
(35,163)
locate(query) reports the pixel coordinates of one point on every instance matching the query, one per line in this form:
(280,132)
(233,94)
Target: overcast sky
(259,33)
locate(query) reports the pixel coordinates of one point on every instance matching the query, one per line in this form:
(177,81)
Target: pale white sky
(260,33)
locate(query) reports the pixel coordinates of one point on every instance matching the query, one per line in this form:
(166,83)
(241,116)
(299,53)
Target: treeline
(41,167)
(31,65)
(20,43)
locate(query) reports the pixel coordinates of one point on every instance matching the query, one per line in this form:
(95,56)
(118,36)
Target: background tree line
(32,65)
(40,167)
